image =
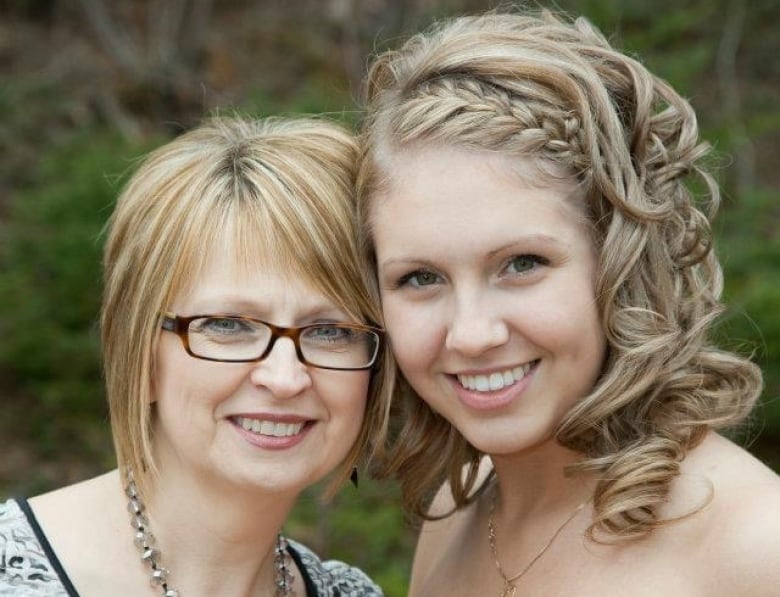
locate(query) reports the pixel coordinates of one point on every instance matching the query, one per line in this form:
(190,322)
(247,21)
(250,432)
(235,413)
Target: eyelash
(406,279)
(537,260)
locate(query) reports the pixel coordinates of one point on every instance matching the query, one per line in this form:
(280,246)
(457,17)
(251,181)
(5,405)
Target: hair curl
(545,87)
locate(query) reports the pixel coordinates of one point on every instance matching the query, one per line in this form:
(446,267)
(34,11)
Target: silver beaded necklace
(150,555)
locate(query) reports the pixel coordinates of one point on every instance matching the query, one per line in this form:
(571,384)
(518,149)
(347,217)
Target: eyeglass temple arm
(168,322)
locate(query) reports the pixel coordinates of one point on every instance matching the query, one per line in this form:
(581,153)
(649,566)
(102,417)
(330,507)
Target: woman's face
(276,424)
(487,288)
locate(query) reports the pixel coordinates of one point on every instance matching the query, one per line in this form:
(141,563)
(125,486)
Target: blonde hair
(543,87)
(279,188)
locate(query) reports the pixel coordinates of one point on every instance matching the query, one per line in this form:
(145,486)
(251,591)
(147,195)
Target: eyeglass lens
(326,345)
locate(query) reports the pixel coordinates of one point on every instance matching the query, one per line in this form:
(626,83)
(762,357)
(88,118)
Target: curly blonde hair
(546,87)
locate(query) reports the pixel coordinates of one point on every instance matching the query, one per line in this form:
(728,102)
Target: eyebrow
(236,305)
(537,237)
(227,303)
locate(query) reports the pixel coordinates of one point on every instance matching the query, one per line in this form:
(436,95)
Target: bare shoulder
(72,500)
(740,527)
(68,515)
(733,473)
(436,536)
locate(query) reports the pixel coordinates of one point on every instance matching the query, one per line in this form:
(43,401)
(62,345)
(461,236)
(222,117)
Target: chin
(510,443)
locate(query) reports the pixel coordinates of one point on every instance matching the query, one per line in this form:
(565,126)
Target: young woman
(548,286)
(243,364)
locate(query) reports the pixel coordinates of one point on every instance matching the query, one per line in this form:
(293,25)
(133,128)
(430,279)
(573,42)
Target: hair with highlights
(545,87)
(278,189)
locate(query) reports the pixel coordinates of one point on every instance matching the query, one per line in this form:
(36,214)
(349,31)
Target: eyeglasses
(233,339)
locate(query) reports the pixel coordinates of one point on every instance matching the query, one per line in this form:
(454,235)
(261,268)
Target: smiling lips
(496,380)
(270,428)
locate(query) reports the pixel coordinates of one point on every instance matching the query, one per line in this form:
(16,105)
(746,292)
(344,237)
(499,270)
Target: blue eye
(328,333)
(521,264)
(419,278)
(221,326)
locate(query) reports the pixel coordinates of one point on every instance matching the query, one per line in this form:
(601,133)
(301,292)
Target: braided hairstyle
(544,87)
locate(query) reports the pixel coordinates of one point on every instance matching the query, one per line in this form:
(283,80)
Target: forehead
(472,191)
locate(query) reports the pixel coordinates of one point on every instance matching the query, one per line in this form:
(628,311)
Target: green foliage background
(72,127)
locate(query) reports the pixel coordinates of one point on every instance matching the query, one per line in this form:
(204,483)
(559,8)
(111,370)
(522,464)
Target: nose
(476,326)
(281,372)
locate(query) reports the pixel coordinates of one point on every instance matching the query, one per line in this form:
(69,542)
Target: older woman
(243,364)
(548,286)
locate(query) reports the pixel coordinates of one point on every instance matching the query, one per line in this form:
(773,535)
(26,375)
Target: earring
(353,477)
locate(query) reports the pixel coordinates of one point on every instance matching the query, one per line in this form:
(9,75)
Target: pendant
(509,589)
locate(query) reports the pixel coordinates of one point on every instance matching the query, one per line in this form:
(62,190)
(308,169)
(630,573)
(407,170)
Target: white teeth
(494,381)
(270,427)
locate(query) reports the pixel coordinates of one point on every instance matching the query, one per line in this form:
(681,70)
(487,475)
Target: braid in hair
(558,92)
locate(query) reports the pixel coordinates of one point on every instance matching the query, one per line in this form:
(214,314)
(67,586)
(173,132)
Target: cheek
(168,380)
(586,325)
(414,332)
(184,383)
(344,395)
(566,323)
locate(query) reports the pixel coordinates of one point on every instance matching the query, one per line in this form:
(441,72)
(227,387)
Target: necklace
(150,555)
(509,589)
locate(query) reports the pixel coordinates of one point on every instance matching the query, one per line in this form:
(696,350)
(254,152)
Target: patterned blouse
(29,566)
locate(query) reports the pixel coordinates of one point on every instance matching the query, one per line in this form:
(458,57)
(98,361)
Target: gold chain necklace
(509,589)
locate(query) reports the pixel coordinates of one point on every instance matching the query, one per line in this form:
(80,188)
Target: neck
(533,482)
(213,539)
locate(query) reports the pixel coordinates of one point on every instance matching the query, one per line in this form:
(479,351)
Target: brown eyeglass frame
(180,326)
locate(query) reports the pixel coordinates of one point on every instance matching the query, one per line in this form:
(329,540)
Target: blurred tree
(156,50)
(49,299)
